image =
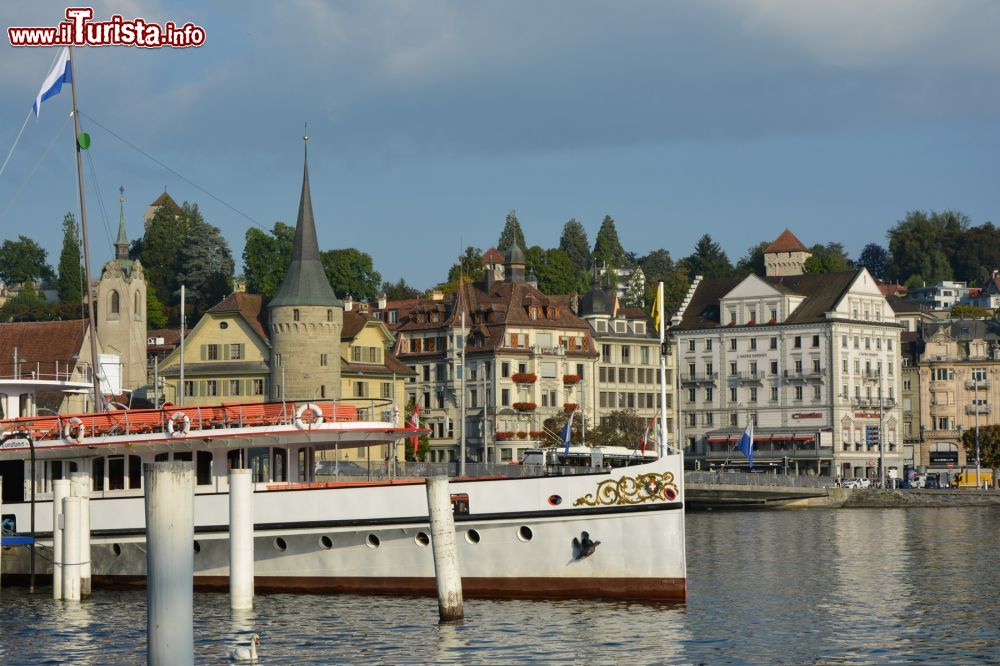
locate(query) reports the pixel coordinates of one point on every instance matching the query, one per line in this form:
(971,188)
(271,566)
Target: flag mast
(95,365)
(658,314)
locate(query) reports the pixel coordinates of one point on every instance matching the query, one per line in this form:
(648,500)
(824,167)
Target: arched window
(295,314)
(115,304)
(329,315)
(138,306)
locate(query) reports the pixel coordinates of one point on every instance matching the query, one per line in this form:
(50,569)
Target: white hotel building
(802,355)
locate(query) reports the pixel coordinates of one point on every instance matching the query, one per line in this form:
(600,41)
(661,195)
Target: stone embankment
(875,498)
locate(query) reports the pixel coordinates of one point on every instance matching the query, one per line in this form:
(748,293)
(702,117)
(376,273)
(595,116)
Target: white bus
(587,456)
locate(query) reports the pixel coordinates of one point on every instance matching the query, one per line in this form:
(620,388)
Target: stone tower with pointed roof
(121,309)
(785,256)
(306,317)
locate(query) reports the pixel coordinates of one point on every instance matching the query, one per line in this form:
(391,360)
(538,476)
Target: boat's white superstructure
(516,536)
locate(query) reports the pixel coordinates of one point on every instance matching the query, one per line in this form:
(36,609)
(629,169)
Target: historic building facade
(811,359)
(959,368)
(529,358)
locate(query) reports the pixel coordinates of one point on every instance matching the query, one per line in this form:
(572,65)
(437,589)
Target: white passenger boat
(609,532)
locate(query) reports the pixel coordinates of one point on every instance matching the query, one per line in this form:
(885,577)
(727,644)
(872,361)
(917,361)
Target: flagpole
(98,403)
(663,369)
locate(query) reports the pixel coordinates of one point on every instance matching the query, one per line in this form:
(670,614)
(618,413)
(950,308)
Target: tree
(976,254)
(69,284)
(160,251)
(28,305)
(574,243)
(608,250)
(675,286)
(829,258)
(635,296)
(971,312)
(622,427)
(205,262)
(556,273)
(709,260)
(469,265)
(989,445)
(351,271)
(22,261)
(920,245)
(753,261)
(156,317)
(398,291)
(266,257)
(511,232)
(875,258)
(656,265)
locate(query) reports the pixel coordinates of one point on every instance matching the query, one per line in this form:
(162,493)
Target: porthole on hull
(280,544)
(524,533)
(116,549)
(422,539)
(472,536)
(373,541)
(197,547)
(325,542)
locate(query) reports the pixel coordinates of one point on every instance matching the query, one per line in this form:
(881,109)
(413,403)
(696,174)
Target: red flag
(415,423)
(646,434)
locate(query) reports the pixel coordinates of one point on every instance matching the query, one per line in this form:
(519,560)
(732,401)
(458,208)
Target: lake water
(796,587)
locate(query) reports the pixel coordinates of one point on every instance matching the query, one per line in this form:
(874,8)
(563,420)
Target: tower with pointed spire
(306,317)
(121,308)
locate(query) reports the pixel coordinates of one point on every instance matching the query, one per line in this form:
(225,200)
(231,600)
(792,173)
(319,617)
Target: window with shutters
(258,387)
(386,390)
(236,352)
(235,387)
(211,387)
(211,352)
(360,389)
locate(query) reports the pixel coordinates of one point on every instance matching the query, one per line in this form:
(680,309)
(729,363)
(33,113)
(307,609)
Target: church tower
(121,309)
(306,317)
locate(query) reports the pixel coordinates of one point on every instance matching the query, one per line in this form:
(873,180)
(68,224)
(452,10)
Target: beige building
(628,368)
(959,368)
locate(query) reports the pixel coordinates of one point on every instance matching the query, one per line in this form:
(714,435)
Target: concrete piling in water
(80,487)
(446,571)
(72,554)
(60,491)
(240,539)
(169,563)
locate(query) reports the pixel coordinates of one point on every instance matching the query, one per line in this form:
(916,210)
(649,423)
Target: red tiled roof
(786,242)
(171,336)
(251,306)
(492,256)
(891,289)
(166,200)
(42,342)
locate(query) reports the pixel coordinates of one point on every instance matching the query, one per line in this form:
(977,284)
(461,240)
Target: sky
(430,120)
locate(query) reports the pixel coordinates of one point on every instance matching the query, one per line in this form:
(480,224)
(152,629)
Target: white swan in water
(247,653)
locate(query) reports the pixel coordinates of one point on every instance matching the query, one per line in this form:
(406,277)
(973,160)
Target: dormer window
(533,312)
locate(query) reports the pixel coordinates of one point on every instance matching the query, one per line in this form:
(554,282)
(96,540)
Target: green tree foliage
(989,445)
(206,263)
(829,258)
(156,317)
(575,244)
(656,265)
(533,258)
(708,260)
(399,290)
(753,261)
(608,250)
(470,265)
(553,427)
(556,273)
(976,254)
(971,312)
(28,305)
(635,290)
(23,260)
(180,247)
(875,258)
(622,427)
(920,245)
(511,232)
(69,284)
(266,256)
(675,286)
(351,271)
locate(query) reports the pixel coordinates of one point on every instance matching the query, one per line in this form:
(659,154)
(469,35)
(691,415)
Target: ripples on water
(797,587)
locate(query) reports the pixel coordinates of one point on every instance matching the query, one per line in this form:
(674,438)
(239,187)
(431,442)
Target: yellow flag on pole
(657,312)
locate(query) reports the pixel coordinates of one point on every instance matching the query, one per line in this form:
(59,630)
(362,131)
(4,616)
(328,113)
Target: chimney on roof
(348,303)
(785,256)
(437,295)
(382,300)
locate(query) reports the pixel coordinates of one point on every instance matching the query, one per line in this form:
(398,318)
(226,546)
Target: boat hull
(516,541)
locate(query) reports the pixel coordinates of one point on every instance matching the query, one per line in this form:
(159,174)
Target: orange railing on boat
(73,427)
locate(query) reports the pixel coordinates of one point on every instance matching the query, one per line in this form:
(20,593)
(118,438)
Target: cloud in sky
(409,101)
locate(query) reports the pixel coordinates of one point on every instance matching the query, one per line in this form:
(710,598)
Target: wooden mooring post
(446,570)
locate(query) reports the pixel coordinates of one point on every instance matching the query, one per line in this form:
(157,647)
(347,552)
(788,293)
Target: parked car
(857,483)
